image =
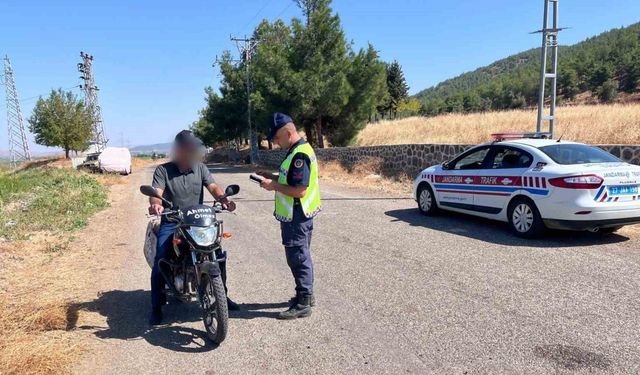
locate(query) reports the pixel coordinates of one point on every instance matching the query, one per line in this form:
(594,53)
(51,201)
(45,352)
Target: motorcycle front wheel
(214,308)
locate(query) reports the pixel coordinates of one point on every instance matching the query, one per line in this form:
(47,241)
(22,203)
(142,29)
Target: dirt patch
(572,358)
(43,277)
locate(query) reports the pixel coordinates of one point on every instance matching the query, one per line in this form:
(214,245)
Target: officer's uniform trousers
(296,238)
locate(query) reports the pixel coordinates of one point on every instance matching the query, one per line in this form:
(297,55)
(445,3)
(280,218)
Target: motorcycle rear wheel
(213,300)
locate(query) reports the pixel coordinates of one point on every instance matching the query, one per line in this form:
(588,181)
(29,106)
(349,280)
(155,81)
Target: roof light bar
(520,135)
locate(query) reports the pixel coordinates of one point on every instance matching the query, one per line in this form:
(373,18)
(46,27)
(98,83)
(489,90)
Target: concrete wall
(411,159)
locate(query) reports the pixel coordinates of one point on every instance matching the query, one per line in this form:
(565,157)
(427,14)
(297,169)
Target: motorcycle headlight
(204,236)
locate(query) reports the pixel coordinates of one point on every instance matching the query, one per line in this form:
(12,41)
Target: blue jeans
(296,238)
(163,247)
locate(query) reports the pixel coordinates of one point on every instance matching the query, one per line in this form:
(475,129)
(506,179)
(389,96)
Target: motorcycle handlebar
(217,207)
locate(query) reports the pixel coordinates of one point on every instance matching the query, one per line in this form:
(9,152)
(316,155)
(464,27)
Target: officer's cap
(279,120)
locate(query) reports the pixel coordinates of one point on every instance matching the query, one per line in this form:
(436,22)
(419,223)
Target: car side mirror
(150,191)
(446,165)
(231,190)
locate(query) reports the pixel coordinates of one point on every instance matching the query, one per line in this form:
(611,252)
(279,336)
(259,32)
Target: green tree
(63,121)
(472,102)
(366,76)
(397,88)
(608,92)
(274,84)
(568,82)
(224,117)
(320,63)
(600,75)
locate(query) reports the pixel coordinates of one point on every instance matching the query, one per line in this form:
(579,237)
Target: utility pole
(18,146)
(549,42)
(91,100)
(247,46)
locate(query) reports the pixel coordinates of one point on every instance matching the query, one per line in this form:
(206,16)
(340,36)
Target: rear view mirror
(149,191)
(445,165)
(231,190)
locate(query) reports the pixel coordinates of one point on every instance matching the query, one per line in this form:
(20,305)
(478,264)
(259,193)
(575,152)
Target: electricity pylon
(18,146)
(91,100)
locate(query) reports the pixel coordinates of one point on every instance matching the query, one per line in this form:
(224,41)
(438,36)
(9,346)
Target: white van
(115,160)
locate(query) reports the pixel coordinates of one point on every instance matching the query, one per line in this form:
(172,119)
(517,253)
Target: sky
(154,58)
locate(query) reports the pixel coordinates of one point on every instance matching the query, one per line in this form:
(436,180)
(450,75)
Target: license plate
(623,189)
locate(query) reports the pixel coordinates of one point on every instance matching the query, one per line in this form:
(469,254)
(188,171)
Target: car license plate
(623,189)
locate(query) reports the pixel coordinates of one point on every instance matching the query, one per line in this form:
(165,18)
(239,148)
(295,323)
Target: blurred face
(283,137)
(186,154)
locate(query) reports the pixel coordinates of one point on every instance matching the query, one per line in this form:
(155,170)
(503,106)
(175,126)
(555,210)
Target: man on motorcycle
(180,181)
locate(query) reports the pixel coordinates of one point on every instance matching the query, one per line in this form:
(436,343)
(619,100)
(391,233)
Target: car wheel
(426,200)
(524,219)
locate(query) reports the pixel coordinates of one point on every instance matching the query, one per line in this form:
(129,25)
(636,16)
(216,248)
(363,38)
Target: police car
(534,182)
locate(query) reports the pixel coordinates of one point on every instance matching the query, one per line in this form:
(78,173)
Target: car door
(454,186)
(501,178)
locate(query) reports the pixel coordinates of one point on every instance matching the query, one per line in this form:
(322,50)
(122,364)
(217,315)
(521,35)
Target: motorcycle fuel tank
(199,216)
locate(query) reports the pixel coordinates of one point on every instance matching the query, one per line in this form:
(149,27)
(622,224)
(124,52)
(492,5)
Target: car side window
(474,160)
(507,157)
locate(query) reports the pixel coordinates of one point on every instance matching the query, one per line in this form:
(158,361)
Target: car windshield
(578,154)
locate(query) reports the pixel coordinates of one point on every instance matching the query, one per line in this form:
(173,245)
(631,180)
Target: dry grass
(34,315)
(41,275)
(110,179)
(596,124)
(367,174)
(138,163)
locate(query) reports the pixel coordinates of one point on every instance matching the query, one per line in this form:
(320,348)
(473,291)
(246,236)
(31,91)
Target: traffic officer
(297,201)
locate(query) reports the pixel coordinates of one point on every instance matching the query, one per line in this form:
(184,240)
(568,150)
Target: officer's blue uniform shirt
(300,168)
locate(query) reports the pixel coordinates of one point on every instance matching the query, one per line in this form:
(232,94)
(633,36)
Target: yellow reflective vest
(310,202)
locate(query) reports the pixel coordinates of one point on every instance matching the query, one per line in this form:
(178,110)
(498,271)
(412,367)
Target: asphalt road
(397,293)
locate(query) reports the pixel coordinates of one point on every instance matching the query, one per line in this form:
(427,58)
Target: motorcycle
(192,269)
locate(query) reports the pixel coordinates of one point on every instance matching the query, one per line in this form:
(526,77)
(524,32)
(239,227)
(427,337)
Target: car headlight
(204,236)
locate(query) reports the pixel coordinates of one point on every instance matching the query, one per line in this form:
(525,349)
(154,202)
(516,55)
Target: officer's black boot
(312,304)
(301,308)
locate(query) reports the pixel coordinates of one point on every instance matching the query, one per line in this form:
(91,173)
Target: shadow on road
(127,313)
(498,232)
(255,310)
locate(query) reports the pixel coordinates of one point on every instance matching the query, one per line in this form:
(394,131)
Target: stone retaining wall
(411,159)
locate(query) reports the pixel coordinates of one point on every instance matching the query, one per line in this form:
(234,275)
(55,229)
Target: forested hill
(603,65)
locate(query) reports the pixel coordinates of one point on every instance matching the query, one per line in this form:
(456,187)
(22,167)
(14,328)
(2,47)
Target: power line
(40,95)
(284,10)
(256,15)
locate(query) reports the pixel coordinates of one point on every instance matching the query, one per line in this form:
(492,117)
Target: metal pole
(252,134)
(543,65)
(554,62)
(247,48)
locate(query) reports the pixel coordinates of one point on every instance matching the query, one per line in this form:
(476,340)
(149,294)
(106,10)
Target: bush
(608,92)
